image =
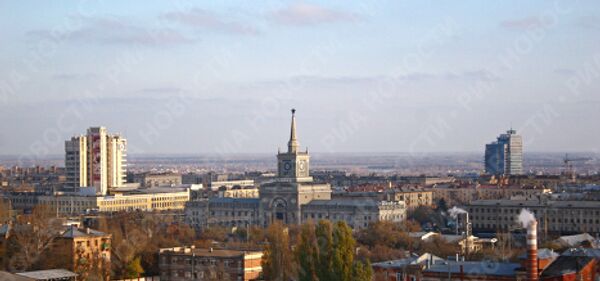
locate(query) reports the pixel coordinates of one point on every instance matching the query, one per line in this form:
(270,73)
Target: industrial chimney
(532,260)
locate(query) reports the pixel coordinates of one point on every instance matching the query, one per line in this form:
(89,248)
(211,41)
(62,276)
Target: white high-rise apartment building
(96,159)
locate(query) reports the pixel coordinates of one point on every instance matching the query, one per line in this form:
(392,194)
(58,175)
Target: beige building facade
(96,159)
(146,200)
(552,216)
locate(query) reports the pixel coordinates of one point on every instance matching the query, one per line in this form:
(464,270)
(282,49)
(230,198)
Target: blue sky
(375,76)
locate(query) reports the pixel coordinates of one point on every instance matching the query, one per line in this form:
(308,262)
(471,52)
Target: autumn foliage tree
(277,261)
(137,238)
(327,253)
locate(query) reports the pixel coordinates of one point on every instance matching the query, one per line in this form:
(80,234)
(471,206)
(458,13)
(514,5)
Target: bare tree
(31,237)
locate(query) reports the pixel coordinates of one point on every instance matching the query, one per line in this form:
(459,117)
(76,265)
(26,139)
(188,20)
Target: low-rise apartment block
(189,263)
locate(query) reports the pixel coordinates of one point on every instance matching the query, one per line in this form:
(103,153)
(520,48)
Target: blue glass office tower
(505,156)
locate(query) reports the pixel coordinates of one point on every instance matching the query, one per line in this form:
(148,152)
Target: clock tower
(293,165)
(282,199)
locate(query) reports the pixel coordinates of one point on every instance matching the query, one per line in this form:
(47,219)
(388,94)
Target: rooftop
(48,274)
(587,252)
(476,267)
(566,265)
(537,203)
(413,260)
(74,232)
(575,240)
(349,202)
(12,277)
(209,252)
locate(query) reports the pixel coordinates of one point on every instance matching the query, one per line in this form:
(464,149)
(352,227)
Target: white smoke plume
(525,217)
(455,211)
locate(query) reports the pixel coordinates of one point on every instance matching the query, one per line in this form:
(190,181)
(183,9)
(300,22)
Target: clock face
(287,166)
(302,165)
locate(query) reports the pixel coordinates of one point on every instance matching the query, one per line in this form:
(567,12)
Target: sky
(367,76)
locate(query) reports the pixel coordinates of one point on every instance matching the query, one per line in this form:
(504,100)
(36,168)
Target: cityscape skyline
(167,68)
(304,140)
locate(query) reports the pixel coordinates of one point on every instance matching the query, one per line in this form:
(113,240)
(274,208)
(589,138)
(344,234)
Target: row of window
(232,213)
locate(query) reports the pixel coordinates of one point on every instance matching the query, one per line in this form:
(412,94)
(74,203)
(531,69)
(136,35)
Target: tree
(384,233)
(439,247)
(215,233)
(31,237)
(426,215)
(412,226)
(5,212)
(324,234)
(343,252)
(326,253)
(362,272)
(134,268)
(277,261)
(307,253)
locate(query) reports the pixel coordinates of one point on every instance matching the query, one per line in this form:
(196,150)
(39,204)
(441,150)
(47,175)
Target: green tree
(134,268)
(362,271)
(324,234)
(307,253)
(277,261)
(343,252)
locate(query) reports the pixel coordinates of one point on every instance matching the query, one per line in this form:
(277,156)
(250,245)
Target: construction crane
(569,170)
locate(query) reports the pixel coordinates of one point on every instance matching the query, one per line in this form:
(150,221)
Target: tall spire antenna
(293,143)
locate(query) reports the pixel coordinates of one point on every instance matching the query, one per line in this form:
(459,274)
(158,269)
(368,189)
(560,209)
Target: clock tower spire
(293,143)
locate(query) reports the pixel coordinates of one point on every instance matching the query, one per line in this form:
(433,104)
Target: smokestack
(467,234)
(532,260)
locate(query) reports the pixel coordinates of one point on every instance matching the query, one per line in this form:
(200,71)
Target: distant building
(73,203)
(148,180)
(189,263)
(426,180)
(96,159)
(192,178)
(228,184)
(553,216)
(356,213)
(412,197)
(505,156)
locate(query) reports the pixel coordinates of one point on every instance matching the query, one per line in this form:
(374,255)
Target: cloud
(468,76)
(523,23)
(589,22)
(310,14)
(473,75)
(565,71)
(203,19)
(73,76)
(112,30)
(161,90)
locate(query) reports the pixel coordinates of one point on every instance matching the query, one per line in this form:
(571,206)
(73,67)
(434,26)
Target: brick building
(189,263)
